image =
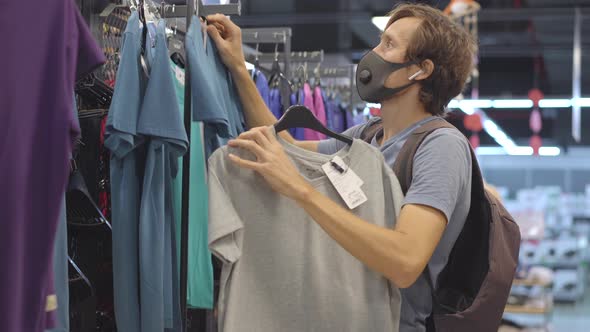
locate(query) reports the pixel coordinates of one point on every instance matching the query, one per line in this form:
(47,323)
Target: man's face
(393,46)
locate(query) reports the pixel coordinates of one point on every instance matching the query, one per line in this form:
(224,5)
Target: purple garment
(329,111)
(276,107)
(349,119)
(320,111)
(308,134)
(338,116)
(297,133)
(262,86)
(359,119)
(40,61)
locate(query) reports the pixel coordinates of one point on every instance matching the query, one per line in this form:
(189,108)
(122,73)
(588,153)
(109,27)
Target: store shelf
(522,282)
(519,309)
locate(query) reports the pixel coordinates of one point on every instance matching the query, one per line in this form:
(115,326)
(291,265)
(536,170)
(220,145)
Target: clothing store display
(214,99)
(127,163)
(439,182)
(161,125)
(281,271)
(200,269)
(37,86)
(262,86)
(308,134)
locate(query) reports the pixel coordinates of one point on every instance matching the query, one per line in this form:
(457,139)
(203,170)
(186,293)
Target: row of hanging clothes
(121,222)
(326,91)
(146,137)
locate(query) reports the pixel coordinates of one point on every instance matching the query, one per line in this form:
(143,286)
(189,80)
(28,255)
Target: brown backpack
(472,289)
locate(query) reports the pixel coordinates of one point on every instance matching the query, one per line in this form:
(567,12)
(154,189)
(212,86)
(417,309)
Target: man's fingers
(244,163)
(214,34)
(224,21)
(268,134)
(249,145)
(257,135)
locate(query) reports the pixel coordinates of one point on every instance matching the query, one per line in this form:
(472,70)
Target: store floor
(572,317)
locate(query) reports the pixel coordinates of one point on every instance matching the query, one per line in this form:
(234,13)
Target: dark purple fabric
(349,119)
(297,98)
(43,52)
(276,105)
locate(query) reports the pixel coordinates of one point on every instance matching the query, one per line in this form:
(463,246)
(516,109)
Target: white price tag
(356,180)
(346,182)
(179,73)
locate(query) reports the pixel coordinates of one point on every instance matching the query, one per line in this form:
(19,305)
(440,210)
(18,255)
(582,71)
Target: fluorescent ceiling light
(453,104)
(583,102)
(555,103)
(380,22)
(512,103)
(547,151)
(476,103)
(373,105)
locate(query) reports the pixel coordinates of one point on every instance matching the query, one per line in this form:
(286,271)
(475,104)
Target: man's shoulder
(449,140)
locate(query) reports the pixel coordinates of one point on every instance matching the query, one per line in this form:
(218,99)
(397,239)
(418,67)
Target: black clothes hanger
(176,48)
(94,92)
(81,209)
(299,116)
(144,32)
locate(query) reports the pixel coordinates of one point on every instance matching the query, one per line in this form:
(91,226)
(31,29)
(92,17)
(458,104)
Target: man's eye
(389,44)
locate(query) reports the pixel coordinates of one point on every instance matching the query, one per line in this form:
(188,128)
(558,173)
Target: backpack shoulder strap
(404,162)
(371,130)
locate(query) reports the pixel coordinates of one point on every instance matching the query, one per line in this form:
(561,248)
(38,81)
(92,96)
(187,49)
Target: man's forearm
(256,112)
(383,250)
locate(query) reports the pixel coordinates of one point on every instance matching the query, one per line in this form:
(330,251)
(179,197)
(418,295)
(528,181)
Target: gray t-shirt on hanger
(442,180)
(281,271)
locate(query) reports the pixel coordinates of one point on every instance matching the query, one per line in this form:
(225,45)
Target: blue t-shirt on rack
(126,168)
(213,95)
(161,123)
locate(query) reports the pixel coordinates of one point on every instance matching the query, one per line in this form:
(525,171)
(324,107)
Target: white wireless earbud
(411,78)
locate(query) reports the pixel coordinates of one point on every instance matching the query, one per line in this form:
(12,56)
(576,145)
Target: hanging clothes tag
(341,166)
(346,182)
(179,73)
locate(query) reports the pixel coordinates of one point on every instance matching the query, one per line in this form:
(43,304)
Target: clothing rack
(172,11)
(277,35)
(192,7)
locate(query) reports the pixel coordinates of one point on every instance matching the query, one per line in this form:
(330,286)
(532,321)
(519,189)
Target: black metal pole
(184,228)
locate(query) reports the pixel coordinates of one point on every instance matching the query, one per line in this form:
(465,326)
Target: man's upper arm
(441,171)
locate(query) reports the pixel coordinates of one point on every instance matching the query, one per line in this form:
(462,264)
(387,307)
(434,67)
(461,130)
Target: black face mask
(371,74)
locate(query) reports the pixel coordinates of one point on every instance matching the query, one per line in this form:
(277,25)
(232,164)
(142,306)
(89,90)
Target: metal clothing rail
(277,35)
(171,11)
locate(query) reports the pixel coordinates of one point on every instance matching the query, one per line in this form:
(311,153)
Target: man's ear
(423,71)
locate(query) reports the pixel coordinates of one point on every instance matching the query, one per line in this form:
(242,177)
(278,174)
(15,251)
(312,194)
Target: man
(426,59)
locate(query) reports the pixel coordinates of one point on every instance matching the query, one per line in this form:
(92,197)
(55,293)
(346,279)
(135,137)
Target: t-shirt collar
(402,135)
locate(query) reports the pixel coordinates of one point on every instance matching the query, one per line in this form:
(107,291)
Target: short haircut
(447,44)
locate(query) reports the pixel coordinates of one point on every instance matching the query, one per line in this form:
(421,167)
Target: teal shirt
(200,269)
